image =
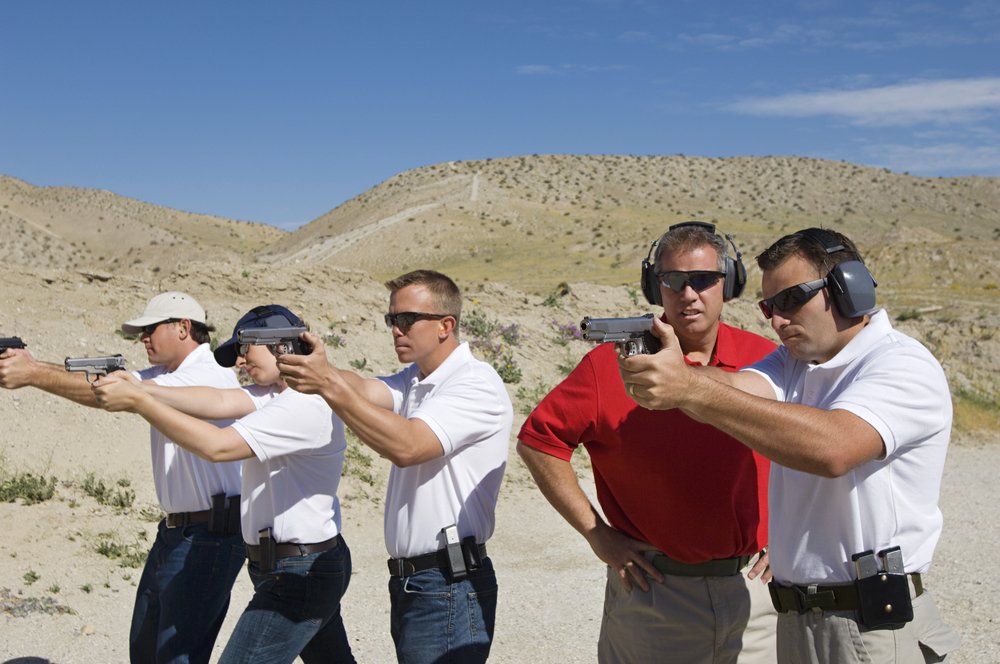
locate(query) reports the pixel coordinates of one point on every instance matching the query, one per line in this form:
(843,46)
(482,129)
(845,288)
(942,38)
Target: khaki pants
(688,620)
(835,637)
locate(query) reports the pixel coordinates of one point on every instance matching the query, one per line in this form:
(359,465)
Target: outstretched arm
(208,441)
(828,443)
(206,403)
(364,404)
(558,483)
(19,369)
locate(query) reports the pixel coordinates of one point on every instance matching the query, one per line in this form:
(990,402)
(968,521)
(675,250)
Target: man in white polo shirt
(444,422)
(183,593)
(856,418)
(293,451)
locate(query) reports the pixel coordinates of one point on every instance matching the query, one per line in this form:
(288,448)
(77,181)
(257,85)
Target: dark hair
(688,238)
(441,287)
(797,244)
(201,332)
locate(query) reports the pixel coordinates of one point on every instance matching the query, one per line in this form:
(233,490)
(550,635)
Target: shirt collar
(455,359)
(877,328)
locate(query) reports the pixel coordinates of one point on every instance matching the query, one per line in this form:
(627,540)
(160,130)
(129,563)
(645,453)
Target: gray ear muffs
(736,273)
(850,284)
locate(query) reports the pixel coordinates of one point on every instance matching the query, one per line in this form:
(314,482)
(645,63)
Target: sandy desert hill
(536,243)
(531,226)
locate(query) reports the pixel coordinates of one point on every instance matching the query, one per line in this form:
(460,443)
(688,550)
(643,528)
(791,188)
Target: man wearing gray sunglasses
(856,418)
(444,422)
(685,522)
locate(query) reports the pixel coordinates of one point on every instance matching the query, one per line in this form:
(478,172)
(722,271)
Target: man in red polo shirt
(691,518)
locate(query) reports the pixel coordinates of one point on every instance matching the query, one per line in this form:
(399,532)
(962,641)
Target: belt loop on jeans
(719,567)
(435,559)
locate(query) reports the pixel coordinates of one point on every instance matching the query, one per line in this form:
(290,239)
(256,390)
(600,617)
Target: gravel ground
(551,584)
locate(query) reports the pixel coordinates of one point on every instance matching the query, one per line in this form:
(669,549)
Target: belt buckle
(811,599)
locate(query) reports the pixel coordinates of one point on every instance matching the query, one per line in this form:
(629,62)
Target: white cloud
(955,158)
(536,70)
(635,36)
(709,39)
(936,102)
(554,70)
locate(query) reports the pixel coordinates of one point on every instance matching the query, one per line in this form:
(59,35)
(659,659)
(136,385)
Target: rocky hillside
(539,241)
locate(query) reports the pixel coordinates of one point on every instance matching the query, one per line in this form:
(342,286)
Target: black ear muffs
(736,273)
(850,284)
(650,284)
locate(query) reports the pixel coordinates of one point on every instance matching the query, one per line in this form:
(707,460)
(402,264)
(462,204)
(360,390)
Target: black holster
(224,517)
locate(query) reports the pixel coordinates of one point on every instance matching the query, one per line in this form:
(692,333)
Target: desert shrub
(494,342)
(357,462)
(27,487)
(528,398)
(119,494)
(127,554)
(566,332)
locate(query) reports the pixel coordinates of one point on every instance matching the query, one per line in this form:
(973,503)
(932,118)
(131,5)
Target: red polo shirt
(684,487)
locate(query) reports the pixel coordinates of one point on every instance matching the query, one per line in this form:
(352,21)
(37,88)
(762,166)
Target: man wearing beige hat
(184,590)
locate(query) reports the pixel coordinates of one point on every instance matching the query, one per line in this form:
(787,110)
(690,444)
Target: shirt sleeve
(903,395)
(773,368)
(397,384)
(567,416)
(469,408)
(291,423)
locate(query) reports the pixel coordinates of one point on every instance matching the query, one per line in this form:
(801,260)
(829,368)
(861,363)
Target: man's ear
(184,325)
(447,327)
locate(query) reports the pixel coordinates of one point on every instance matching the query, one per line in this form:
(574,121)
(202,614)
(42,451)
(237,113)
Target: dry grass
(511,231)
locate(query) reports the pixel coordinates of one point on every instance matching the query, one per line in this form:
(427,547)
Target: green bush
(28,487)
(120,496)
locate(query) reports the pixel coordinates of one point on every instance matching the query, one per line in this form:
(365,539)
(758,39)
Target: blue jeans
(295,611)
(183,595)
(434,621)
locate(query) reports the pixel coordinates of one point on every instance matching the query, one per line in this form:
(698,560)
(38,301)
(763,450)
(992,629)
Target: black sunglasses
(147,330)
(404,320)
(791,298)
(699,280)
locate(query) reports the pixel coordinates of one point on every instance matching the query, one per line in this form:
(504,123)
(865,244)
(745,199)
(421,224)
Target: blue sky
(279,111)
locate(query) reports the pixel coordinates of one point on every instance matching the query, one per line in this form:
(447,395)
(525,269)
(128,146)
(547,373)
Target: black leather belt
(836,597)
(292,549)
(436,559)
(182,519)
(719,567)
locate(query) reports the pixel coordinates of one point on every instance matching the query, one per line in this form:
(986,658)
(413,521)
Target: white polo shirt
(466,405)
(291,482)
(892,382)
(184,481)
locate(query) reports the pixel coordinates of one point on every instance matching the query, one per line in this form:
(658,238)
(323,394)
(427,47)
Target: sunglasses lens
(699,281)
(791,298)
(404,321)
(704,280)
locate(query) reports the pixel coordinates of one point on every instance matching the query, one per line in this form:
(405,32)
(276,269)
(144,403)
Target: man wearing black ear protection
(686,504)
(856,418)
